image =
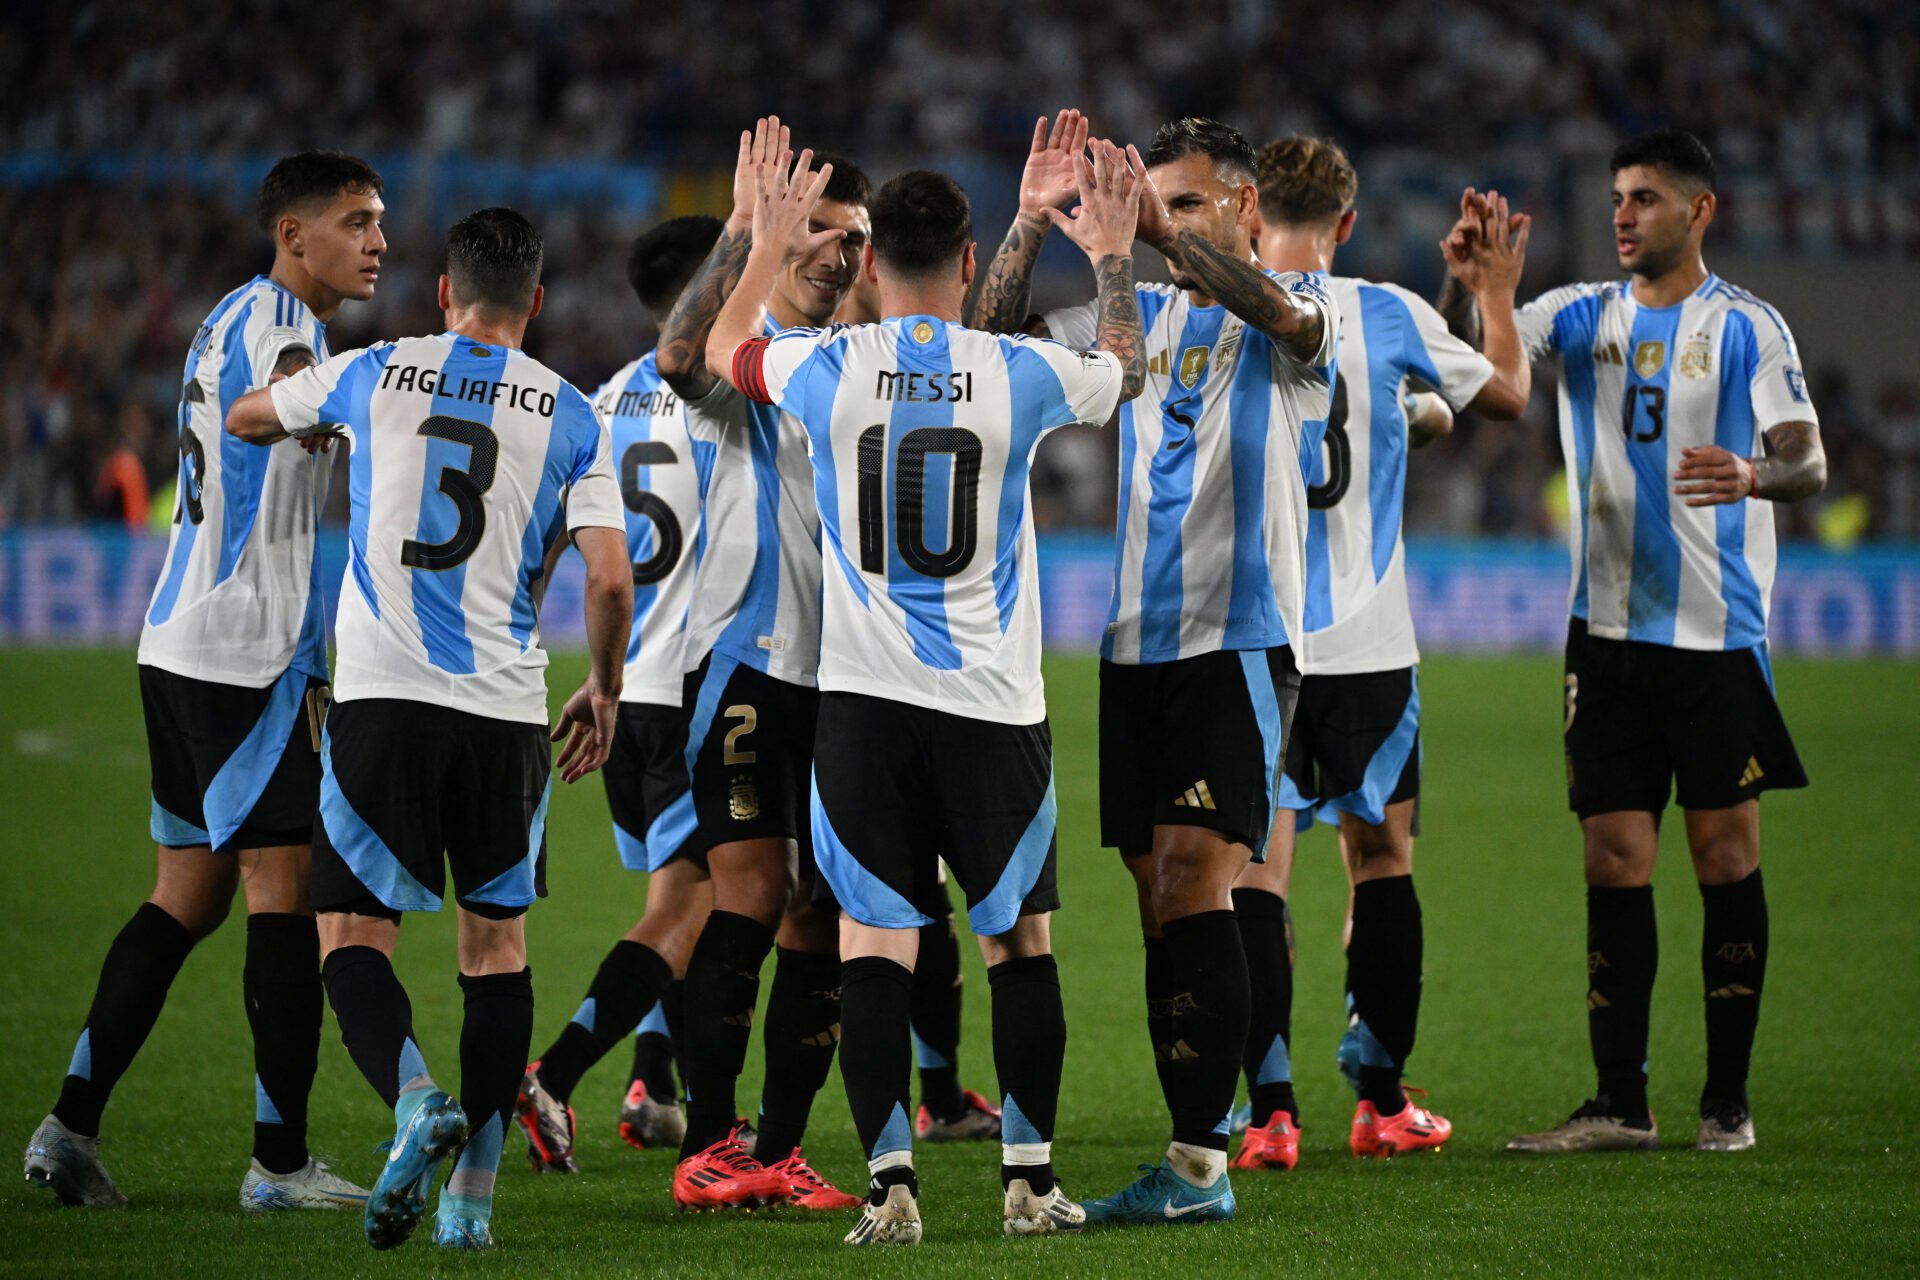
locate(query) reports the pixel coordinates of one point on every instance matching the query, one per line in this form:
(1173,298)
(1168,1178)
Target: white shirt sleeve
(1539,321)
(267,346)
(1089,380)
(1779,384)
(1452,367)
(319,393)
(593,491)
(1075,326)
(1305,286)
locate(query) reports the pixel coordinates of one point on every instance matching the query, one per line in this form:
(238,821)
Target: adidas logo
(1195,797)
(1753,774)
(1729,992)
(1178,1051)
(826,1039)
(1597,1001)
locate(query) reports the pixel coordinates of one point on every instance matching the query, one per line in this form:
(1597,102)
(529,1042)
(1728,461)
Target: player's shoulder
(1734,298)
(1599,292)
(640,369)
(1356,294)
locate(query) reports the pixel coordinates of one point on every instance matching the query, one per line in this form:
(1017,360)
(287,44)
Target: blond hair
(1304,180)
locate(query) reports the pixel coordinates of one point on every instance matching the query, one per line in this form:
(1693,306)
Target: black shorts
(749,753)
(1195,742)
(1355,745)
(405,783)
(233,768)
(648,790)
(903,787)
(1640,718)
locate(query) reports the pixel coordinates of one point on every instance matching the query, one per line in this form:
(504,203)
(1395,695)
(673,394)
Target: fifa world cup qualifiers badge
(743,800)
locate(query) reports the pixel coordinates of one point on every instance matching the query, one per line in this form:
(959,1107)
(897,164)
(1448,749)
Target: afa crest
(743,800)
(923,332)
(1696,357)
(1649,358)
(1193,366)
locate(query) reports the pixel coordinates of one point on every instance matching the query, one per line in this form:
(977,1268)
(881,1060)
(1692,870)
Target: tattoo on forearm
(1000,306)
(1457,307)
(1795,466)
(683,338)
(1117,326)
(1250,294)
(293,359)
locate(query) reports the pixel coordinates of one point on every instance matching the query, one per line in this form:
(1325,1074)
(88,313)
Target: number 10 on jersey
(910,500)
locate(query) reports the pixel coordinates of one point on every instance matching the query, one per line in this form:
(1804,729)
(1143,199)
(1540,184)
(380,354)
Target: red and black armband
(750,369)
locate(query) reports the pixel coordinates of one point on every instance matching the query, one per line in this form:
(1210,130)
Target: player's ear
(1700,216)
(539,297)
(286,235)
(1344,231)
(1249,209)
(867,271)
(967,267)
(443,296)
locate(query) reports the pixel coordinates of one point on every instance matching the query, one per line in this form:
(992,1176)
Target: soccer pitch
(1833,1185)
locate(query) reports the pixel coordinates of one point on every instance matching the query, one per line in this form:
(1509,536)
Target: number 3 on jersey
(1339,453)
(910,500)
(466,486)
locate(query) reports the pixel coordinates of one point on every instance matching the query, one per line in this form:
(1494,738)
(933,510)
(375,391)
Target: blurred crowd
(1810,107)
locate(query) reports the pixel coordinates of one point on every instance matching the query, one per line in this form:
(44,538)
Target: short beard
(1654,265)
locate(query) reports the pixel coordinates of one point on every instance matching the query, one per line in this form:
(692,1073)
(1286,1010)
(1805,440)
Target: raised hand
(1475,208)
(1048,180)
(1156,228)
(1495,250)
(767,139)
(1105,221)
(784,201)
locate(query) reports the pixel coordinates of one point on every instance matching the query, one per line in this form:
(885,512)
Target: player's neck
(487,327)
(1671,287)
(942,302)
(1198,297)
(290,275)
(1292,248)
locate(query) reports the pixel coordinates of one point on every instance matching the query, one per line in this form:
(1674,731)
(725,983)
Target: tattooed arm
(1456,307)
(1047,182)
(681,355)
(1795,467)
(1118,323)
(1296,321)
(1104,226)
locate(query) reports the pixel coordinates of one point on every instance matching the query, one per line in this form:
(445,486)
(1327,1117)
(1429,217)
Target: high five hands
(1106,220)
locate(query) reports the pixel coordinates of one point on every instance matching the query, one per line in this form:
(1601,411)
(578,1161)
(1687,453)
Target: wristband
(1753,478)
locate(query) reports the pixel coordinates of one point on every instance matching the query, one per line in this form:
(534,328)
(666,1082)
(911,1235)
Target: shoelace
(734,1155)
(799,1173)
(1140,1190)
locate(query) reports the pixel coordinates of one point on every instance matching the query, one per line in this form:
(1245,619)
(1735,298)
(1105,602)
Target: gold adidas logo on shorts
(1195,797)
(1753,774)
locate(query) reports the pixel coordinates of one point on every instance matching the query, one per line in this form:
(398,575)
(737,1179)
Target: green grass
(1833,1185)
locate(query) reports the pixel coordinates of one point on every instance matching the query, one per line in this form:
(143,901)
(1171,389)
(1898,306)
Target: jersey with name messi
(662,471)
(468,458)
(1357,618)
(238,601)
(1640,384)
(1209,553)
(922,433)
(756,596)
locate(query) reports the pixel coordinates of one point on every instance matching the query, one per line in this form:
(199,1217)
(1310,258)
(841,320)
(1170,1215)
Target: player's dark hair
(849,183)
(1199,135)
(313,176)
(665,257)
(494,259)
(1675,150)
(922,223)
(1305,181)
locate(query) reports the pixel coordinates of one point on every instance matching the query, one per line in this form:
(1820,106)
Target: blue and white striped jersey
(663,473)
(238,601)
(1209,553)
(1640,384)
(467,459)
(921,433)
(756,596)
(1357,618)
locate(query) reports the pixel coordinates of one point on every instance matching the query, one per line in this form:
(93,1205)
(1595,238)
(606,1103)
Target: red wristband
(1753,478)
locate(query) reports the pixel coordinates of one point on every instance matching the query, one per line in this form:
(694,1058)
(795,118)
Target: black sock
(723,984)
(1383,976)
(1029,1046)
(140,966)
(1267,934)
(936,1017)
(876,1002)
(376,1020)
(1210,1011)
(1733,964)
(674,1006)
(1623,953)
(803,1029)
(653,1055)
(629,982)
(285,1005)
(1159,982)
(496,1035)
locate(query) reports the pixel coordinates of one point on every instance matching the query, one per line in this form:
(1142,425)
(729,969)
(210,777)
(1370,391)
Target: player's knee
(1378,853)
(1725,860)
(1617,866)
(1188,880)
(199,915)
(492,945)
